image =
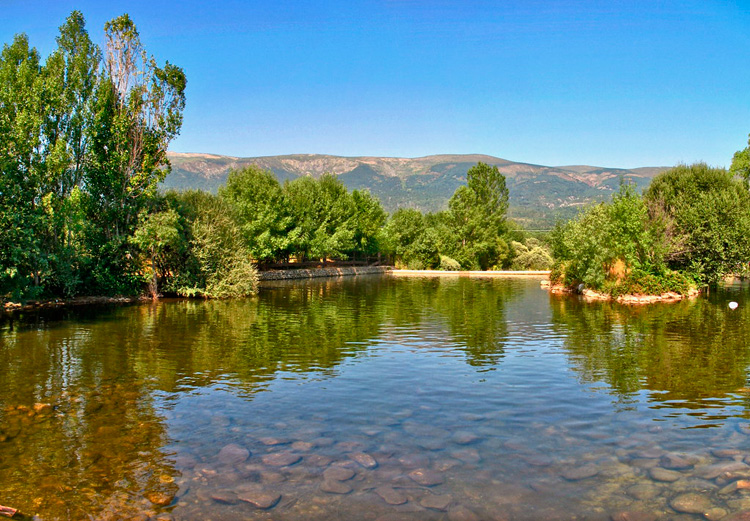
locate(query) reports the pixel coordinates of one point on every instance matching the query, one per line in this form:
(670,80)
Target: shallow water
(379,398)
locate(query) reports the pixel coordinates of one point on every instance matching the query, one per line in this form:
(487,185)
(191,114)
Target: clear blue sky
(612,83)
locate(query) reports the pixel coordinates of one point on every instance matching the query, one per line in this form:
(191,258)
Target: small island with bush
(689,229)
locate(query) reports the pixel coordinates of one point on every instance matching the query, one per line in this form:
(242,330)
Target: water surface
(379,398)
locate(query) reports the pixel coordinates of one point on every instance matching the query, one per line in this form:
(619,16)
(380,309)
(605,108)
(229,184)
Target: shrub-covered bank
(689,229)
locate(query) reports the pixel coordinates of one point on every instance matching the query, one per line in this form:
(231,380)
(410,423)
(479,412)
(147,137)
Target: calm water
(379,398)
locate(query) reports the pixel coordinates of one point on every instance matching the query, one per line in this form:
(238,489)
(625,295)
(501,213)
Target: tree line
(83,142)
(690,227)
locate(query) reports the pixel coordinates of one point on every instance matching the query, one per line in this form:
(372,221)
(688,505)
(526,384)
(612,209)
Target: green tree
(706,220)
(262,212)
(323,215)
(158,235)
(22,181)
(741,163)
(138,112)
(410,241)
(368,220)
(479,212)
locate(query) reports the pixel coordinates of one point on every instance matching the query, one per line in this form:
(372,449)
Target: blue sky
(610,83)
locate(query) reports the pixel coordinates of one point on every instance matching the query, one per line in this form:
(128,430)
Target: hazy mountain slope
(538,194)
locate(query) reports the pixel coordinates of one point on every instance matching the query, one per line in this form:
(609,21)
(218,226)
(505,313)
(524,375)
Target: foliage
(531,255)
(705,216)
(478,213)
(262,212)
(83,144)
(639,282)
(215,260)
(411,242)
(448,264)
(606,242)
(159,236)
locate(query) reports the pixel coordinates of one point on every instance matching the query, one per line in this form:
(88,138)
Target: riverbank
(78,301)
(347,271)
(435,273)
(591,295)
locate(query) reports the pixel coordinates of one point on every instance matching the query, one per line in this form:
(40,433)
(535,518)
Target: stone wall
(321,272)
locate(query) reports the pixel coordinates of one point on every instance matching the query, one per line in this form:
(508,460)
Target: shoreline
(592,296)
(31,305)
(476,274)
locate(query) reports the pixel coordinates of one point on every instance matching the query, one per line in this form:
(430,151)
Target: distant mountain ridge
(538,194)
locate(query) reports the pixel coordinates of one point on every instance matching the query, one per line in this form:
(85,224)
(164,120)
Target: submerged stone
(338,473)
(333,486)
(391,495)
(364,459)
(233,454)
(579,473)
(436,502)
(691,503)
(427,478)
(676,461)
(281,459)
(665,475)
(260,498)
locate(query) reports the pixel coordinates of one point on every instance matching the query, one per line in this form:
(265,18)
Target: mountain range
(539,195)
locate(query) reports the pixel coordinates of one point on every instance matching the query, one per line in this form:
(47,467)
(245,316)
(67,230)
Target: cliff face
(538,194)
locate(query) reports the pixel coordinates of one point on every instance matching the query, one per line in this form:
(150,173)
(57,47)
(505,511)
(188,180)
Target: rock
(338,474)
(335,487)
(676,461)
(302,446)
(363,459)
(467,455)
(714,471)
(318,460)
(414,460)
(349,446)
(233,454)
(643,491)
(461,513)
(271,477)
(726,453)
(741,484)
(281,459)
(738,516)
(226,497)
(714,514)
(435,502)
(665,475)
(539,460)
(633,516)
(260,498)
(652,453)
(691,503)
(272,442)
(579,473)
(391,495)
(427,478)
(465,438)
(160,498)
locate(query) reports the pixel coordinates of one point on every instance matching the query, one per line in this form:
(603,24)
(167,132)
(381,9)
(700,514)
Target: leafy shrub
(448,264)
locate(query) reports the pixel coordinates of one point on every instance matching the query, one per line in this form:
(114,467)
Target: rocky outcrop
(590,294)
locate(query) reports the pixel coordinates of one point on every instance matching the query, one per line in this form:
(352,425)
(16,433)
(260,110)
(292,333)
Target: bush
(639,282)
(448,264)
